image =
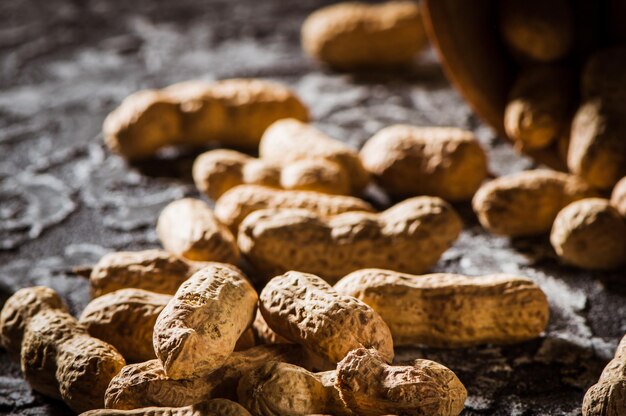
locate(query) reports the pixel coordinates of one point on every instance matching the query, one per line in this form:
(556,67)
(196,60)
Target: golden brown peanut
(370,387)
(188,228)
(604,77)
(537,113)
(355,35)
(618,197)
(125,319)
(214,407)
(145,384)
(239,202)
(408,237)
(590,234)
(217,171)
(538,30)
(199,327)
(306,310)
(608,396)
(439,161)
(450,310)
(291,140)
(233,112)
(526,203)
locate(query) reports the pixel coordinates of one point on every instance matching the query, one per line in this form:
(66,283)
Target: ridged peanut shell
(608,396)
(214,407)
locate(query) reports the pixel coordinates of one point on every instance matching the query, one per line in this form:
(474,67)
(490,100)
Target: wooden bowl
(466,36)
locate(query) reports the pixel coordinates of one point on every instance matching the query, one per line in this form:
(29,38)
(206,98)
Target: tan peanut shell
(200,325)
(291,140)
(526,203)
(146,384)
(354,35)
(536,30)
(590,234)
(408,237)
(618,197)
(405,160)
(214,407)
(217,171)
(450,310)
(608,396)
(188,228)
(233,112)
(306,310)
(239,202)
(370,387)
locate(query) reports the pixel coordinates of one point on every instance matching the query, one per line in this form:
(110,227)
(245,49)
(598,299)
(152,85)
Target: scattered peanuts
(618,197)
(608,396)
(450,310)
(214,407)
(439,161)
(526,203)
(275,241)
(233,112)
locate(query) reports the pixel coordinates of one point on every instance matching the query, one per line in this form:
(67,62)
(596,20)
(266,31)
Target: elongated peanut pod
(214,407)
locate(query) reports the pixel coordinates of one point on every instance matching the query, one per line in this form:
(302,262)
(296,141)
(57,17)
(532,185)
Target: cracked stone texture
(65,201)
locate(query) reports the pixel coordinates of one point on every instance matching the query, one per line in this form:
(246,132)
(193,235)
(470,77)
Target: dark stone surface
(65,201)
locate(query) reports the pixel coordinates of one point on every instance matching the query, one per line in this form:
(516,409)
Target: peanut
(233,112)
(618,196)
(354,35)
(526,203)
(264,333)
(275,241)
(590,234)
(239,202)
(608,396)
(449,310)
(214,407)
(439,161)
(306,310)
(188,228)
(58,357)
(200,325)
(291,140)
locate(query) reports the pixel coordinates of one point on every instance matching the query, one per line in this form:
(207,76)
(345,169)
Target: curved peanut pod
(306,310)
(450,310)
(199,327)
(608,396)
(408,237)
(214,407)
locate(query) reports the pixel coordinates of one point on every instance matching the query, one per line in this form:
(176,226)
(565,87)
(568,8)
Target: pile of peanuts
(331,286)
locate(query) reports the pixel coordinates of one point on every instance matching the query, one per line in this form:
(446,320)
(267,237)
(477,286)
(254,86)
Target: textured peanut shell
(608,396)
(239,202)
(449,310)
(145,384)
(188,228)
(618,197)
(214,407)
(125,319)
(355,35)
(200,325)
(526,203)
(291,140)
(306,310)
(370,387)
(408,237)
(440,161)
(233,112)
(590,234)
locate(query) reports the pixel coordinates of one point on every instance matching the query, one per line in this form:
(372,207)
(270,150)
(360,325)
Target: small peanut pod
(232,112)
(449,310)
(188,228)
(217,171)
(370,387)
(239,202)
(275,241)
(306,310)
(125,319)
(354,35)
(214,407)
(291,140)
(526,203)
(146,384)
(199,327)
(590,234)
(440,161)
(608,396)
(618,197)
